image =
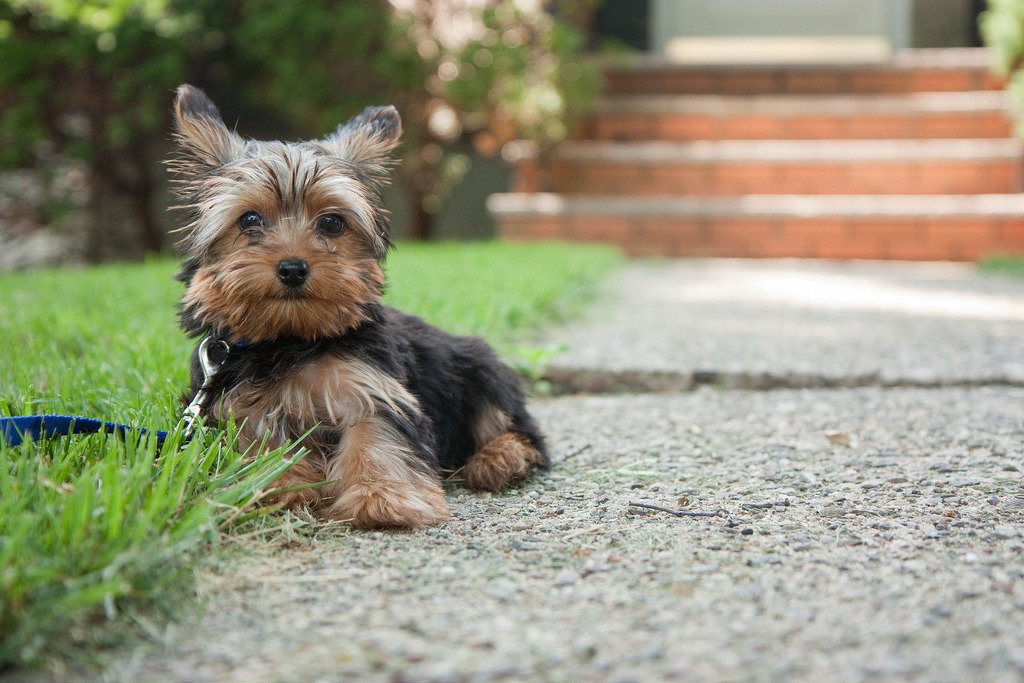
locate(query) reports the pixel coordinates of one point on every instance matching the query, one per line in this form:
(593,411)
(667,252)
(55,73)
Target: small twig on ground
(764,506)
(242,509)
(454,475)
(678,513)
(581,532)
(576,451)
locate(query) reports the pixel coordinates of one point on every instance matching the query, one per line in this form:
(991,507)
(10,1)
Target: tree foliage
(496,71)
(89,82)
(1002,29)
(86,82)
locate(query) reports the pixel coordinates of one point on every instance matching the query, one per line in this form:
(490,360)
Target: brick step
(951,228)
(929,70)
(979,114)
(781,167)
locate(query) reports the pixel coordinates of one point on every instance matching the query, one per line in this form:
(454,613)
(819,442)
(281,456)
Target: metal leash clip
(210,369)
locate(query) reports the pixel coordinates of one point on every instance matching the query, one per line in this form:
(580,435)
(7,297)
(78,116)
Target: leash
(16,429)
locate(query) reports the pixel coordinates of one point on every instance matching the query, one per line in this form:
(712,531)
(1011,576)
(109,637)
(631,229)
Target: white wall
(890,19)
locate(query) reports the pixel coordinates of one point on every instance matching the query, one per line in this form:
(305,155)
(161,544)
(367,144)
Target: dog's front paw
(390,505)
(506,460)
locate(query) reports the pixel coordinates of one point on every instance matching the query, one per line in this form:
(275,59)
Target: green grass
(1011,266)
(493,289)
(97,534)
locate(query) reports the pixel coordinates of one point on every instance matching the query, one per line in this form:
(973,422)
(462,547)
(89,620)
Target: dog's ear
(200,130)
(367,140)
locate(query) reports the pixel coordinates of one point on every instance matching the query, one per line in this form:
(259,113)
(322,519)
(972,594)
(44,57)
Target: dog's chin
(292,295)
(249,306)
(295,315)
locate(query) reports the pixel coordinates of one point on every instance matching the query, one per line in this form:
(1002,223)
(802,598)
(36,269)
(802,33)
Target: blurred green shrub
(1002,29)
(87,83)
(499,71)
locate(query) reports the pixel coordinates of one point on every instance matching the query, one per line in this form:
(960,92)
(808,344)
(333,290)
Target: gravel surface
(754,323)
(865,534)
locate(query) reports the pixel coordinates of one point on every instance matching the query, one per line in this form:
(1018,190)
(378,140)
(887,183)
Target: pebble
(648,654)
(565,578)
(752,592)
(501,589)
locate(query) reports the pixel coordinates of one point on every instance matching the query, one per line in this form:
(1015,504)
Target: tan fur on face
(280,181)
(221,177)
(236,286)
(242,293)
(505,460)
(379,483)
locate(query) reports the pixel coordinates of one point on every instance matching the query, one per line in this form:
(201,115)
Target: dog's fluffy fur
(284,249)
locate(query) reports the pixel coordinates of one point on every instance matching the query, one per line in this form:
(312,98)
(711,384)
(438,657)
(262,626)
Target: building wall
(810,18)
(641,24)
(946,23)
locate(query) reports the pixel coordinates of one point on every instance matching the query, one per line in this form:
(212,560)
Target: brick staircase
(913,159)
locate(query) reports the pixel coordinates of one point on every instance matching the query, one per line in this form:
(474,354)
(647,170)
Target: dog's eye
(251,220)
(331,224)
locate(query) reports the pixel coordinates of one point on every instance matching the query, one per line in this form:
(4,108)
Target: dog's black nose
(293,272)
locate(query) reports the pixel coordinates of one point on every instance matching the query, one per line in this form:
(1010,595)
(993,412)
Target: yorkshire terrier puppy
(284,253)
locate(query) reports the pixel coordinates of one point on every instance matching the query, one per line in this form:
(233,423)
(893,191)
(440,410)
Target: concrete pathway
(864,533)
(763,324)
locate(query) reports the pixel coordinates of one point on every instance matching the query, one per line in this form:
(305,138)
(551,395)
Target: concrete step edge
(802,206)
(660,151)
(977,101)
(975,59)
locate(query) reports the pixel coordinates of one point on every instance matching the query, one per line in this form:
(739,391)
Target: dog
(283,264)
